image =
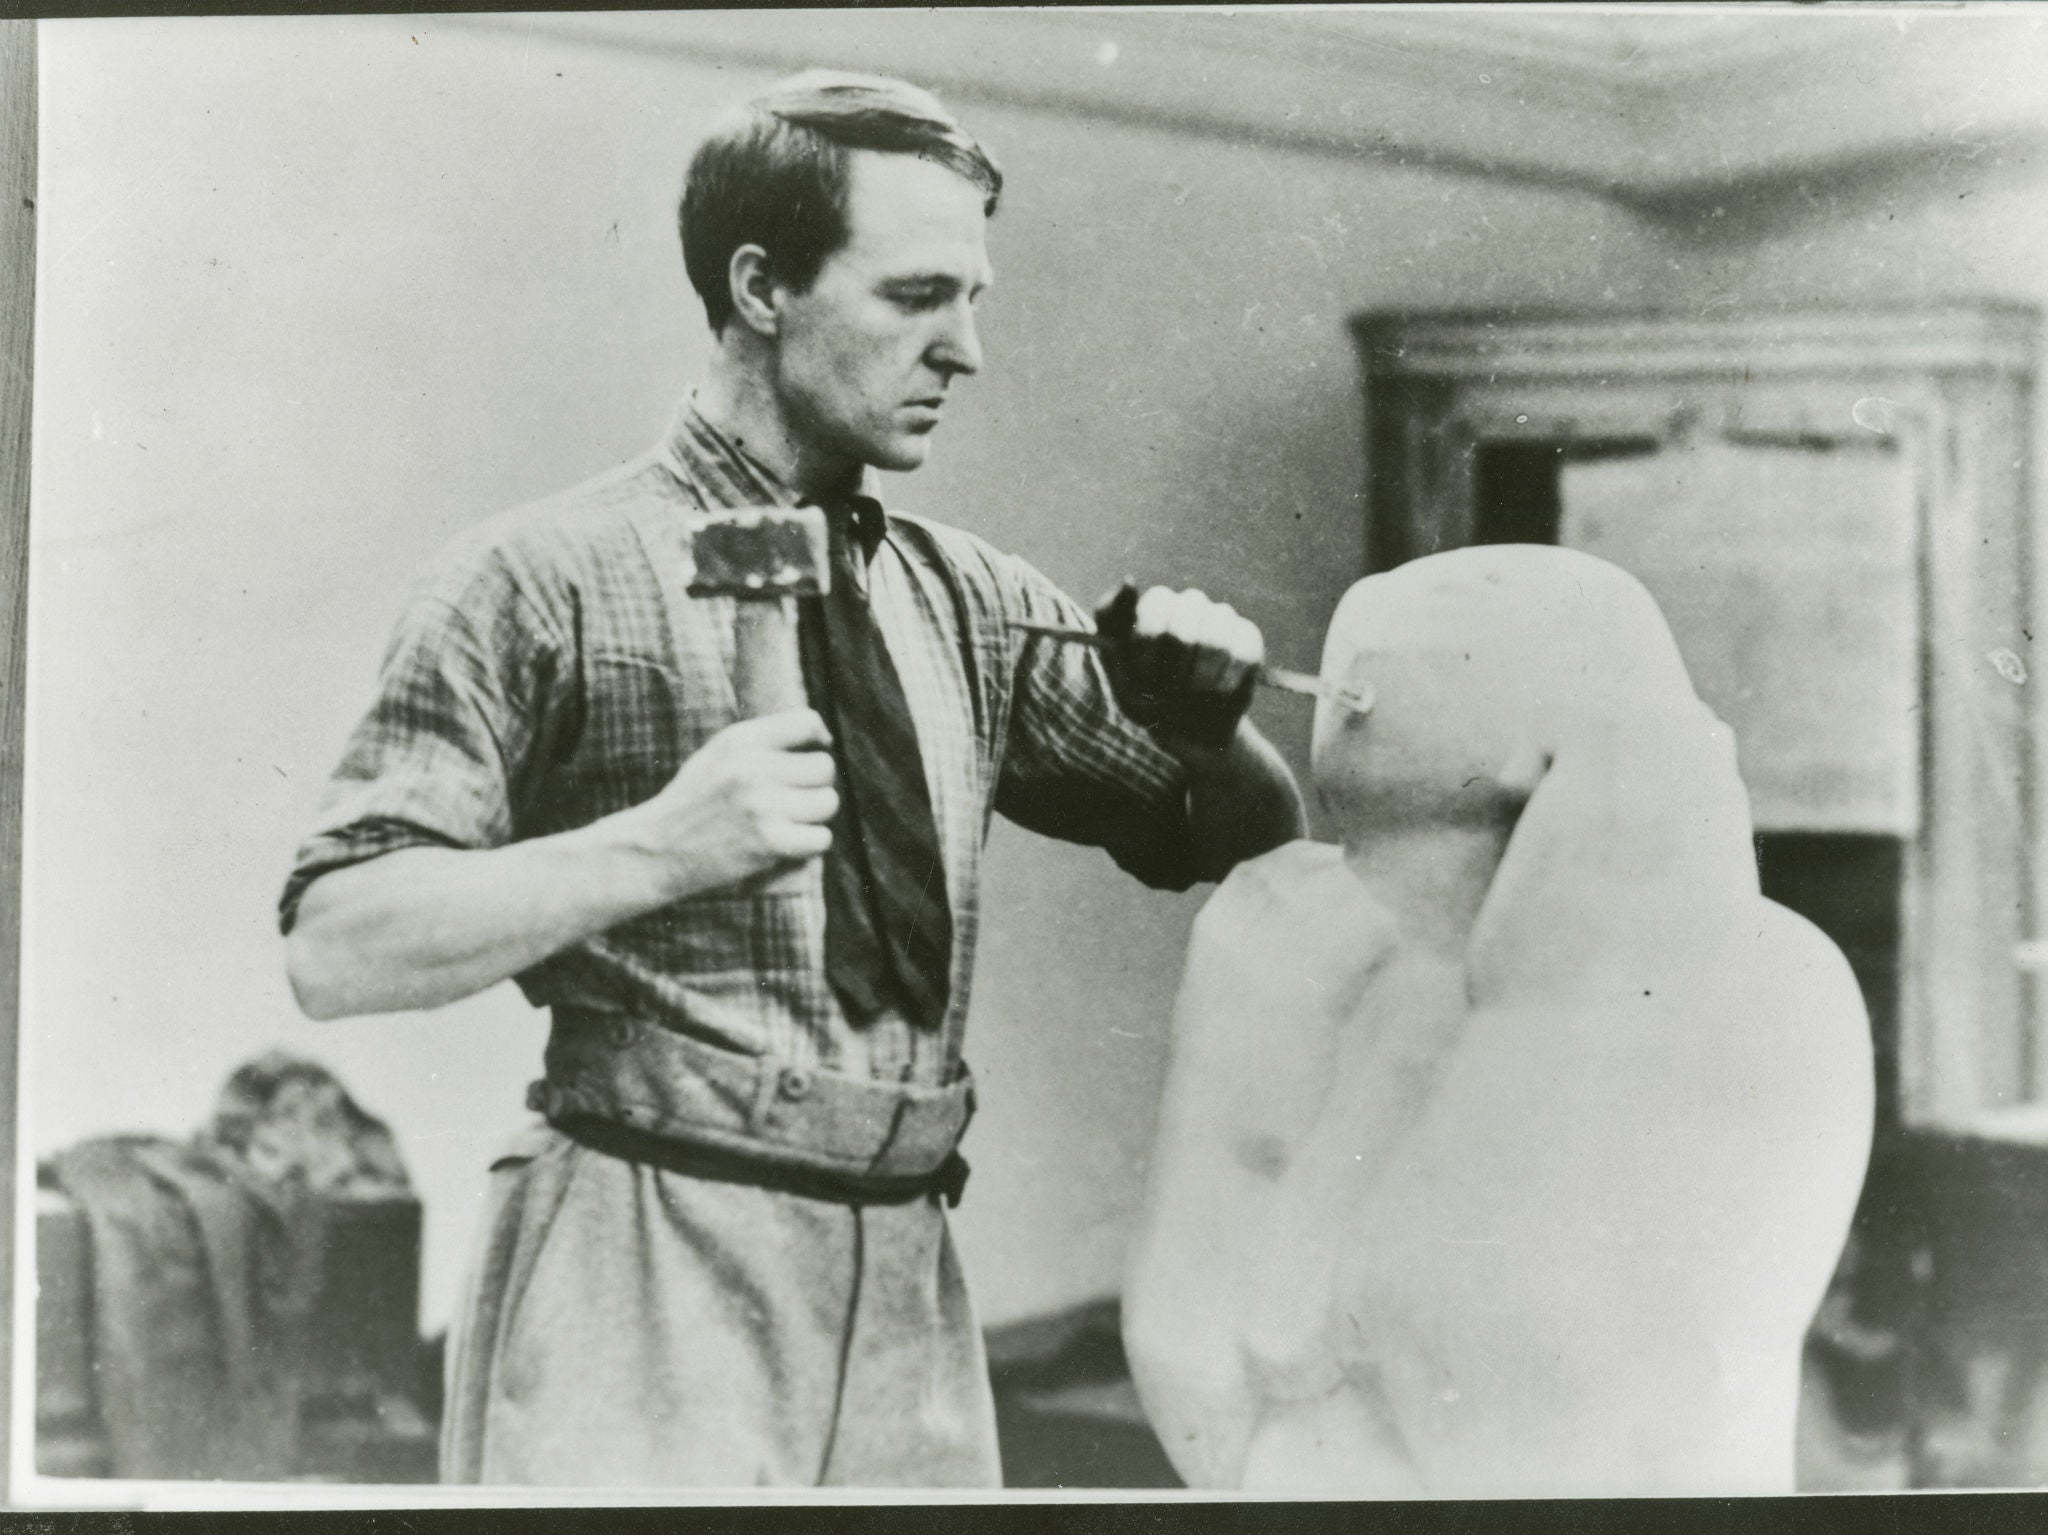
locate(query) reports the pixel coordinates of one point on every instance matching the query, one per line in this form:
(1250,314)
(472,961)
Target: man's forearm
(1242,802)
(425,926)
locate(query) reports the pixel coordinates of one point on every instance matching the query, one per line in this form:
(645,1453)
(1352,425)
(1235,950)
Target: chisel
(1284,678)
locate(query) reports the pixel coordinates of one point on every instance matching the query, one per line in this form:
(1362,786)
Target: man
(723,1259)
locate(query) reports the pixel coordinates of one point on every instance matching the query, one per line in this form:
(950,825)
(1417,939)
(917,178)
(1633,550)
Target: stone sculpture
(1507,1148)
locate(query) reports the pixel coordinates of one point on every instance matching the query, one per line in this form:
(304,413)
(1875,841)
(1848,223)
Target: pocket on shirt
(643,718)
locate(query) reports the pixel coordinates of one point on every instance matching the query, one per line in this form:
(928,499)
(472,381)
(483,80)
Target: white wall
(1962,217)
(315,294)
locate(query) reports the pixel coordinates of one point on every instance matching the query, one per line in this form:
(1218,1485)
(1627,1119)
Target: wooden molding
(1999,338)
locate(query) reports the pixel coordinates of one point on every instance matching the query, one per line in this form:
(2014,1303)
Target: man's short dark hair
(776,174)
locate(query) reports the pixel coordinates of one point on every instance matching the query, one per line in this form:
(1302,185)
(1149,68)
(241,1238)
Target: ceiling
(1653,106)
(1639,38)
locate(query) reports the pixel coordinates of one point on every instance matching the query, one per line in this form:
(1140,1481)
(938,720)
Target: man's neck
(1431,877)
(736,398)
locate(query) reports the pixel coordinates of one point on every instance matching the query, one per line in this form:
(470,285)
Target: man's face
(867,354)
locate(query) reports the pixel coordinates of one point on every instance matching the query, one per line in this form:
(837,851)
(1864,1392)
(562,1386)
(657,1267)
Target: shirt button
(795,1083)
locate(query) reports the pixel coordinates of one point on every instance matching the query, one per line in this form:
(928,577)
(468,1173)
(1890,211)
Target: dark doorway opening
(1515,485)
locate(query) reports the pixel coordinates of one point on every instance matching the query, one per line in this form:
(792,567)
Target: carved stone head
(1539,688)
(1481,662)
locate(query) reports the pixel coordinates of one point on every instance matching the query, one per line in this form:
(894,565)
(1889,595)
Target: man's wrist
(616,857)
(1243,802)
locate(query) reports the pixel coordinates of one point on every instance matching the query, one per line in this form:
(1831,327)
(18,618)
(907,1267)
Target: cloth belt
(678,1102)
(948,1181)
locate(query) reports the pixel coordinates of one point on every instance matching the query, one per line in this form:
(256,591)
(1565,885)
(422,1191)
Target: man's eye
(918,298)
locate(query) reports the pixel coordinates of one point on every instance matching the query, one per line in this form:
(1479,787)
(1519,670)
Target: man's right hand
(754,801)
(423,926)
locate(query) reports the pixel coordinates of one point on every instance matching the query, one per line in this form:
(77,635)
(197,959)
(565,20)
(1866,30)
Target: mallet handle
(767,669)
(767,675)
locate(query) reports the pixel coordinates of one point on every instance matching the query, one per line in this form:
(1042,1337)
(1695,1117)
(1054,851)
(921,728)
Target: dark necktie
(888,925)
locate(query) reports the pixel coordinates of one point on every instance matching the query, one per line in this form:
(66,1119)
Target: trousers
(632,1326)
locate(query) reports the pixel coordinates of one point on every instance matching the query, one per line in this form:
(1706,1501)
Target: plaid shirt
(553,669)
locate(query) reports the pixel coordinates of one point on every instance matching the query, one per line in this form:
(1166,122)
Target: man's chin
(900,455)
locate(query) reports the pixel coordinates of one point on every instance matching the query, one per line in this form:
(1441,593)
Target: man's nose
(957,347)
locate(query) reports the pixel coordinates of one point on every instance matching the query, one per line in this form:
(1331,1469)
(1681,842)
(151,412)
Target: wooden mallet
(764,558)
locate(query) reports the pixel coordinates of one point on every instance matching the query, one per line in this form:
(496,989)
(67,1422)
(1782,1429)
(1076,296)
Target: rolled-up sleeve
(1076,767)
(437,761)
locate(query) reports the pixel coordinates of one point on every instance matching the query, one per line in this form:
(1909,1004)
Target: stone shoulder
(1297,896)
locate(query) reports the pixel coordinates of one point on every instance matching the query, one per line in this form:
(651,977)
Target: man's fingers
(1197,620)
(1242,638)
(803,769)
(1213,671)
(808,805)
(803,840)
(1117,610)
(1230,650)
(1180,663)
(1190,642)
(1156,611)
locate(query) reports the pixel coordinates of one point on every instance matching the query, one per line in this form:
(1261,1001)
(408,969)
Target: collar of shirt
(735,478)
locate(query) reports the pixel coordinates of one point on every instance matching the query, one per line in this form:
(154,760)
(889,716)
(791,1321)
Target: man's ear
(756,301)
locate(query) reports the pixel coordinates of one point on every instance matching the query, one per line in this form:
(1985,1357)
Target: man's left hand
(1181,665)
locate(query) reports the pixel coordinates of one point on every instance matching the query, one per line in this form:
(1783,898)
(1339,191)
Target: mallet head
(761,552)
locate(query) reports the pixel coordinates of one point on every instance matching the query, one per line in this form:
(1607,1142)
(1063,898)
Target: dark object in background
(196,1303)
(242,1307)
(69,1440)
(1067,1415)
(1928,1364)
(293,1127)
